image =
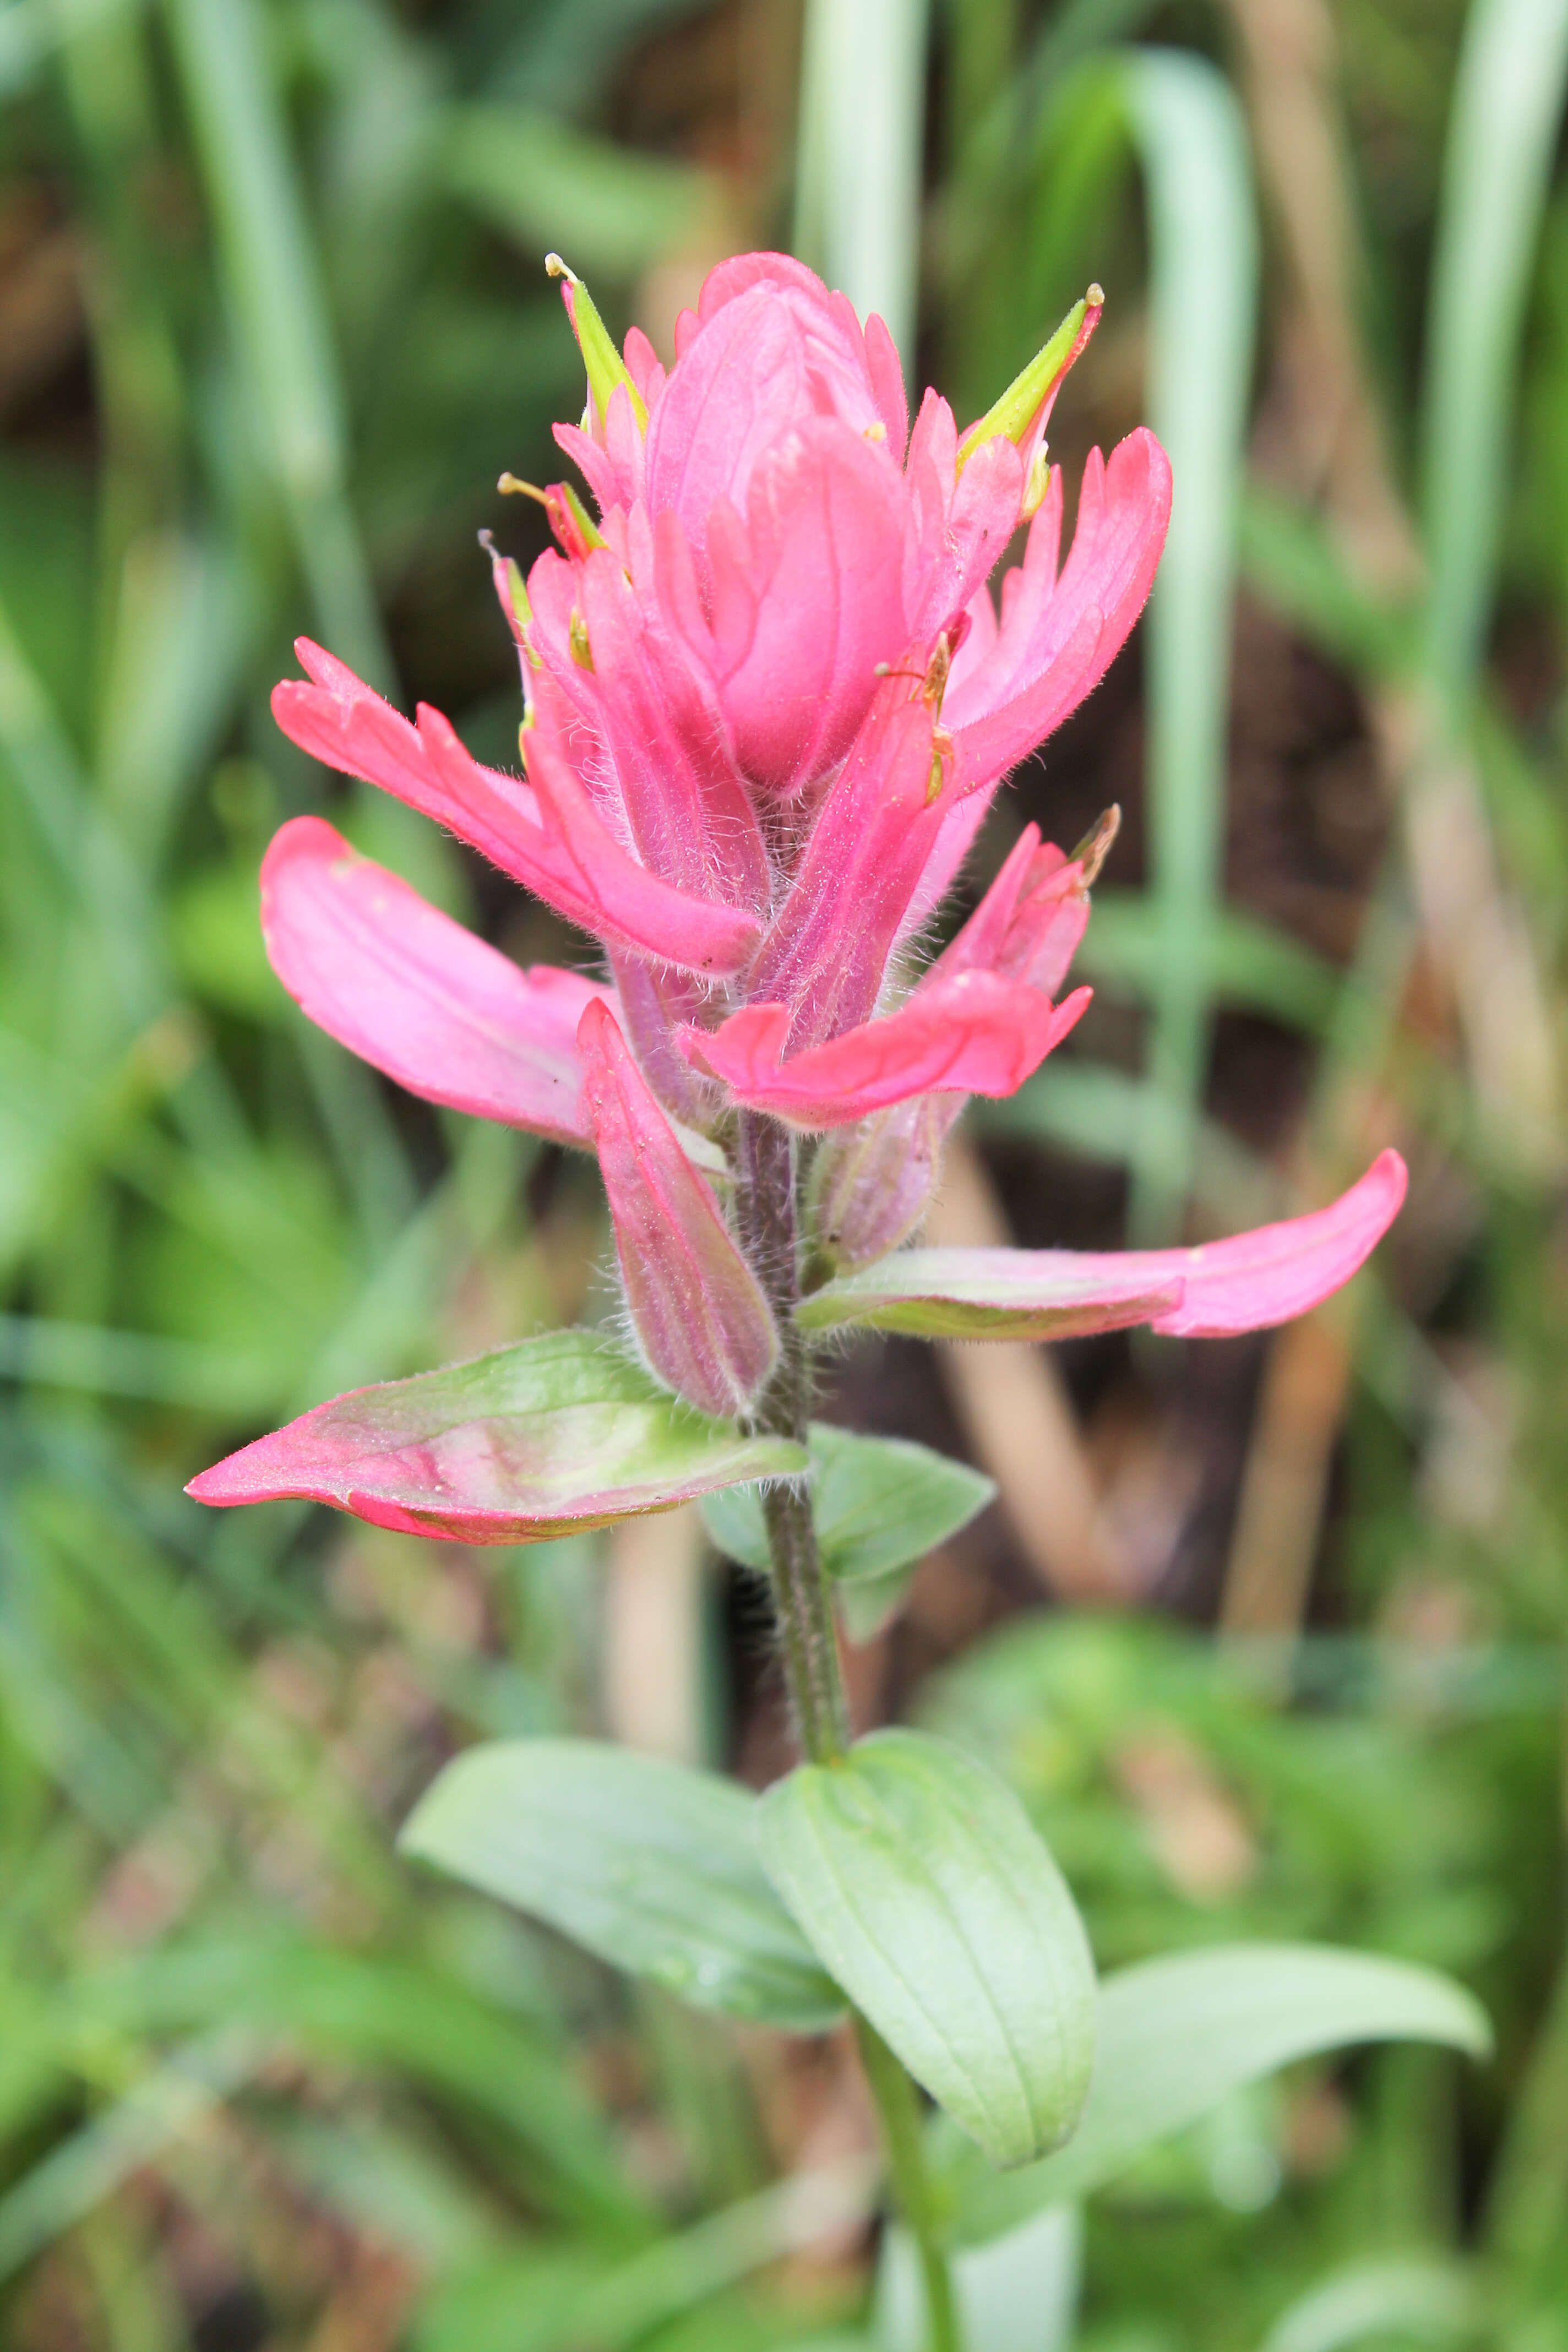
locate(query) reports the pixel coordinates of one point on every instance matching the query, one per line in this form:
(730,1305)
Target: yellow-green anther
(1021,403)
(517,593)
(1039,483)
(606,367)
(1095,848)
(940,762)
(577,638)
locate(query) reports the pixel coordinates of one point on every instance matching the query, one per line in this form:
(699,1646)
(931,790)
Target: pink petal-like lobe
(545,833)
(977,1033)
(412,993)
(1059,637)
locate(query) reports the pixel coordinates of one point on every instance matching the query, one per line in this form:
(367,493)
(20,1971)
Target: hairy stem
(765,1212)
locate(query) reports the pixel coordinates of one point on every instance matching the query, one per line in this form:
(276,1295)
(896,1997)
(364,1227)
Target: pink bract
(768,697)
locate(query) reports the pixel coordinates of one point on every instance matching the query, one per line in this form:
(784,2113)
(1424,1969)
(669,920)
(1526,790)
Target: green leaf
(865,1608)
(1178,2035)
(922,1886)
(1496,172)
(734,1518)
(647,1863)
(879,1503)
(552,1435)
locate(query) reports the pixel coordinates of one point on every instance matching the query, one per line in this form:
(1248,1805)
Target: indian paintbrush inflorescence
(768,698)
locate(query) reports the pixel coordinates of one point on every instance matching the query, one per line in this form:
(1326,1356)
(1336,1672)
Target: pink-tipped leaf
(552,1437)
(1245,1283)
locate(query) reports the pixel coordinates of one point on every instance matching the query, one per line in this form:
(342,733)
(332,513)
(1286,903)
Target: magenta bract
(697,1309)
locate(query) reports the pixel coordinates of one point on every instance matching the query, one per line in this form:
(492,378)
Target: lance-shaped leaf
(645,1863)
(555,1435)
(698,1308)
(926,1893)
(408,989)
(1179,2034)
(1244,1284)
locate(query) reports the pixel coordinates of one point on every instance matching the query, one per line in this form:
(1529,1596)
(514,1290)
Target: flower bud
(872,1184)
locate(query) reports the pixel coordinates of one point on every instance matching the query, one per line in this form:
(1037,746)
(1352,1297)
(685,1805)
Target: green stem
(765,1212)
(898,2107)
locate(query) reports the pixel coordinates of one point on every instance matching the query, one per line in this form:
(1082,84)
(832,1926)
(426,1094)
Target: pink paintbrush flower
(768,698)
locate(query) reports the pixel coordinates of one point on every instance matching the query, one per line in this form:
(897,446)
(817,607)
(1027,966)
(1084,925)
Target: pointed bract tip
(1096,846)
(1025,407)
(607,370)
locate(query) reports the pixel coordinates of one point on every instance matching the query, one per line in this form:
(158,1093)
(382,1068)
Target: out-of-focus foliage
(271,322)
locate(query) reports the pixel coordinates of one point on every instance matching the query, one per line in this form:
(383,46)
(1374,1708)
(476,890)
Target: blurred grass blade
(1243,962)
(1074,31)
(273,280)
(1429,2301)
(1204,265)
(177,2102)
(30,30)
(1502,138)
(128,1364)
(175,664)
(862,125)
(496,2307)
(547,185)
(89,855)
(1291,560)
